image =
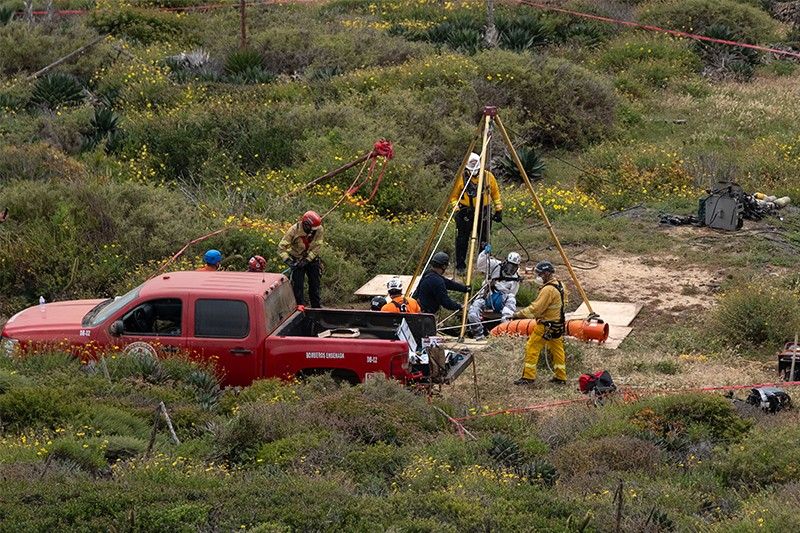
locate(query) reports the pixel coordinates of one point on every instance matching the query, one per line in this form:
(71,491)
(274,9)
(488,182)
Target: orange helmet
(311,221)
(256,264)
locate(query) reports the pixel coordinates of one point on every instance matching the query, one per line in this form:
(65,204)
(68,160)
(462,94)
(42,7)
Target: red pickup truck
(248,322)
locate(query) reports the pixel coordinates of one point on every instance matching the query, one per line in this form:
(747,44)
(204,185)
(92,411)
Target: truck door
(155,326)
(223,328)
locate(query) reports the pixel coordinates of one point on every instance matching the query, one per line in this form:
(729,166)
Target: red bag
(599,381)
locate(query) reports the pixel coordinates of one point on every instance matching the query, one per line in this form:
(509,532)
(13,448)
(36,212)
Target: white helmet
(395,284)
(473,164)
(514,257)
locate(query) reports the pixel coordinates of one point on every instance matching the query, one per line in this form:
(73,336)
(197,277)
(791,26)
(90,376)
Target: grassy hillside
(165,130)
(282,457)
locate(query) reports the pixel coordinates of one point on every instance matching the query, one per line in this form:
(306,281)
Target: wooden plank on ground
(377,285)
(613,313)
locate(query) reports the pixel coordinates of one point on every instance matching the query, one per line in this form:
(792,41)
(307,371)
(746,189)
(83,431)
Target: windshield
(105,309)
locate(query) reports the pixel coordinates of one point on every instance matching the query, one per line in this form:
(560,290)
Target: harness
(403,307)
(554,329)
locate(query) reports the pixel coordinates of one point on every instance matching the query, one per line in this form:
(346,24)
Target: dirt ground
(662,282)
(669,290)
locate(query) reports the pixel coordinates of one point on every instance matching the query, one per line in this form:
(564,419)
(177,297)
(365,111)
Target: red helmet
(257,264)
(312,220)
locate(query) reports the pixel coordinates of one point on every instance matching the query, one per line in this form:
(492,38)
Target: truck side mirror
(116,328)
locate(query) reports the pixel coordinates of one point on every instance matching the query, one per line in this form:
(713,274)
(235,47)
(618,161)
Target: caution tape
(635,390)
(650,27)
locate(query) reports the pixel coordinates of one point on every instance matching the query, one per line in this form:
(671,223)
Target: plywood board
(616,334)
(613,313)
(377,285)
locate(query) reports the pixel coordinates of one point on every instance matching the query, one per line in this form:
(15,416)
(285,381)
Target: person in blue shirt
(432,290)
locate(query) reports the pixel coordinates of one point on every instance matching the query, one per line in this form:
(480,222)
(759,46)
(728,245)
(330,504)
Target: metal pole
(440,216)
(794,357)
(476,219)
(545,219)
(242,24)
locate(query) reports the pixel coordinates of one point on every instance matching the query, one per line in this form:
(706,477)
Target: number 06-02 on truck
(248,323)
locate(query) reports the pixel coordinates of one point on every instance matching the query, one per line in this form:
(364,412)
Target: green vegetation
(374,454)
(167,129)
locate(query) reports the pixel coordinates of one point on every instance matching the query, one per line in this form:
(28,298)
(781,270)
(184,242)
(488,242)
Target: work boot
(525,382)
(558,381)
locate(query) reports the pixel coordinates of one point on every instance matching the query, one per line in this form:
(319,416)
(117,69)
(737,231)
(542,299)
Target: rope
(345,195)
(559,403)
(444,230)
(649,27)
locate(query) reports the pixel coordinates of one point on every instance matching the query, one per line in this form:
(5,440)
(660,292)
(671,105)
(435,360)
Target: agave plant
(505,450)
(727,61)
(465,40)
(6,15)
(102,126)
(57,89)
(531,161)
(242,61)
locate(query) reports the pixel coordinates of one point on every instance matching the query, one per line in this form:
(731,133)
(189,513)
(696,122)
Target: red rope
(560,403)
(649,27)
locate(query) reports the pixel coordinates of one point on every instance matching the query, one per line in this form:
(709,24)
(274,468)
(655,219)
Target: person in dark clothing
(432,290)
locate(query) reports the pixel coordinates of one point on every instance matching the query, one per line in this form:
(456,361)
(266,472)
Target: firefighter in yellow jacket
(299,249)
(548,311)
(466,207)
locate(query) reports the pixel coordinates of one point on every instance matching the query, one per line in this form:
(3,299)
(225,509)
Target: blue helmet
(212,257)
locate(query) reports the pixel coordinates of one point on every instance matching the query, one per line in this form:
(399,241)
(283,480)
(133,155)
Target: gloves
(301,263)
(488,248)
(498,216)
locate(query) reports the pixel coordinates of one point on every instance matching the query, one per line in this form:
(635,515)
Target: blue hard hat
(212,257)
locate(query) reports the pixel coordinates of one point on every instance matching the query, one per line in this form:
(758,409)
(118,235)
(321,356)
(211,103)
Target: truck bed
(370,324)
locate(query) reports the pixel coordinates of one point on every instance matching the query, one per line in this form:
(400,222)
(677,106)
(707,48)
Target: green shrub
(675,421)
(10,379)
(645,62)
(115,421)
(748,23)
(26,48)
(757,461)
(99,228)
(143,25)
(756,315)
(120,448)
(380,460)
(563,104)
(290,449)
(85,454)
(33,406)
(55,90)
(47,363)
(604,455)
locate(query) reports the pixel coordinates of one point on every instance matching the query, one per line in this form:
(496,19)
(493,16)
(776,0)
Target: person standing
(432,290)
(468,183)
(299,248)
(548,311)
